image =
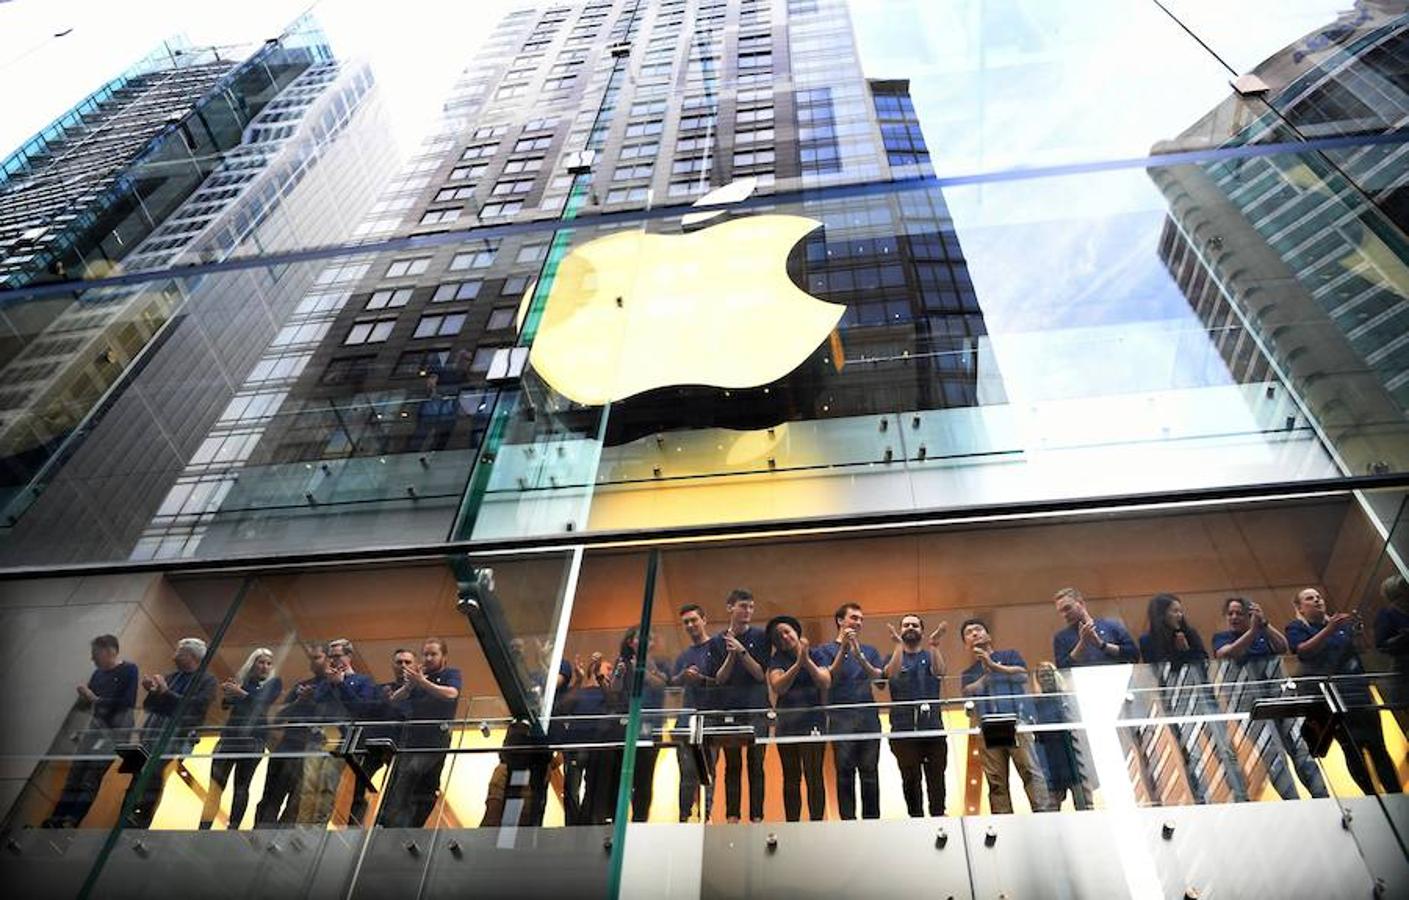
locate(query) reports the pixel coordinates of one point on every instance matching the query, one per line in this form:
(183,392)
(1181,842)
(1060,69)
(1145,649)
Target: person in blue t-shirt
(691,672)
(381,710)
(798,676)
(591,773)
(998,678)
(1392,639)
(432,694)
(914,672)
(111,694)
(1325,644)
(248,696)
(1173,648)
(738,657)
(1088,641)
(345,696)
(1251,649)
(177,700)
(852,711)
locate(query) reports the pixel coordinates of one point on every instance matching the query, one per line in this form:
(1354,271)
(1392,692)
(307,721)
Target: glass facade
(983,423)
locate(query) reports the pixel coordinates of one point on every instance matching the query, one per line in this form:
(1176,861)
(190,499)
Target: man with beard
(914,672)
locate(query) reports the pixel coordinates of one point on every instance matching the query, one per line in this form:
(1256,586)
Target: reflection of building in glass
(281,132)
(1296,261)
(673,99)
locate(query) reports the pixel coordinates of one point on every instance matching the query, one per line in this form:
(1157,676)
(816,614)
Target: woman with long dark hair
(652,715)
(248,696)
(798,676)
(1173,647)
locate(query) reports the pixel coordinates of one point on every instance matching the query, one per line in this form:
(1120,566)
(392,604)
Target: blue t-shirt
(915,681)
(116,690)
(741,690)
(697,696)
(1260,646)
(1337,656)
(1108,630)
(248,713)
(851,684)
(1006,694)
(1195,653)
(422,704)
(800,706)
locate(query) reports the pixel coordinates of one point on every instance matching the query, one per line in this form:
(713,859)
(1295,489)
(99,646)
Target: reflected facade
(678,417)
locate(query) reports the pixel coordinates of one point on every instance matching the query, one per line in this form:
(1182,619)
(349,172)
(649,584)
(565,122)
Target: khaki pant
(995,769)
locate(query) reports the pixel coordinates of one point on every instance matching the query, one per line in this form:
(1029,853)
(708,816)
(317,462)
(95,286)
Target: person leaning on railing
(852,711)
(248,696)
(998,682)
(798,675)
(914,671)
(1251,649)
(1325,644)
(182,697)
(431,693)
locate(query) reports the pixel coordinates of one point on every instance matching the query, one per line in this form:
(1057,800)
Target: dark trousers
(734,775)
(142,804)
(220,767)
(357,811)
(858,760)
(278,804)
(590,782)
(801,761)
(643,783)
(412,789)
(1360,736)
(921,759)
(690,779)
(81,786)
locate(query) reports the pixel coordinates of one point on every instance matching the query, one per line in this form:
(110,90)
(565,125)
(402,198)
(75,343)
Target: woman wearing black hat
(798,678)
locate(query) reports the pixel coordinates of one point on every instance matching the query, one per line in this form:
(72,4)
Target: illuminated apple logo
(633,312)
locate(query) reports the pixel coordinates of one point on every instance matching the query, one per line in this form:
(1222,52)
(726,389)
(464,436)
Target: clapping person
(111,693)
(248,696)
(798,676)
(852,711)
(1086,640)
(178,699)
(1325,644)
(1061,752)
(431,693)
(998,681)
(1251,649)
(914,672)
(691,672)
(738,656)
(1173,647)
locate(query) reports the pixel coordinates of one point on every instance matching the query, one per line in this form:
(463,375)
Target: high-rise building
(126,374)
(1295,261)
(453,514)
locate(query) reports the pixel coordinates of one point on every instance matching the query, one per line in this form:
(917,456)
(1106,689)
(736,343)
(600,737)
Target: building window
(531,253)
(643,129)
(481,151)
(688,123)
(500,319)
(513,186)
(402,267)
(625,195)
(514,287)
(474,259)
(374,331)
(420,363)
(347,369)
(753,158)
(448,194)
(483,357)
(389,299)
(489,131)
(540,124)
(500,208)
(648,108)
(439,325)
(464,173)
(517,166)
(753,137)
(756,115)
(528,144)
(627,173)
(439,216)
(456,290)
(636,151)
(691,164)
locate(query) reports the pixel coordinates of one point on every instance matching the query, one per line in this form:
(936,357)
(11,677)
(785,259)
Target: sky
(998,85)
